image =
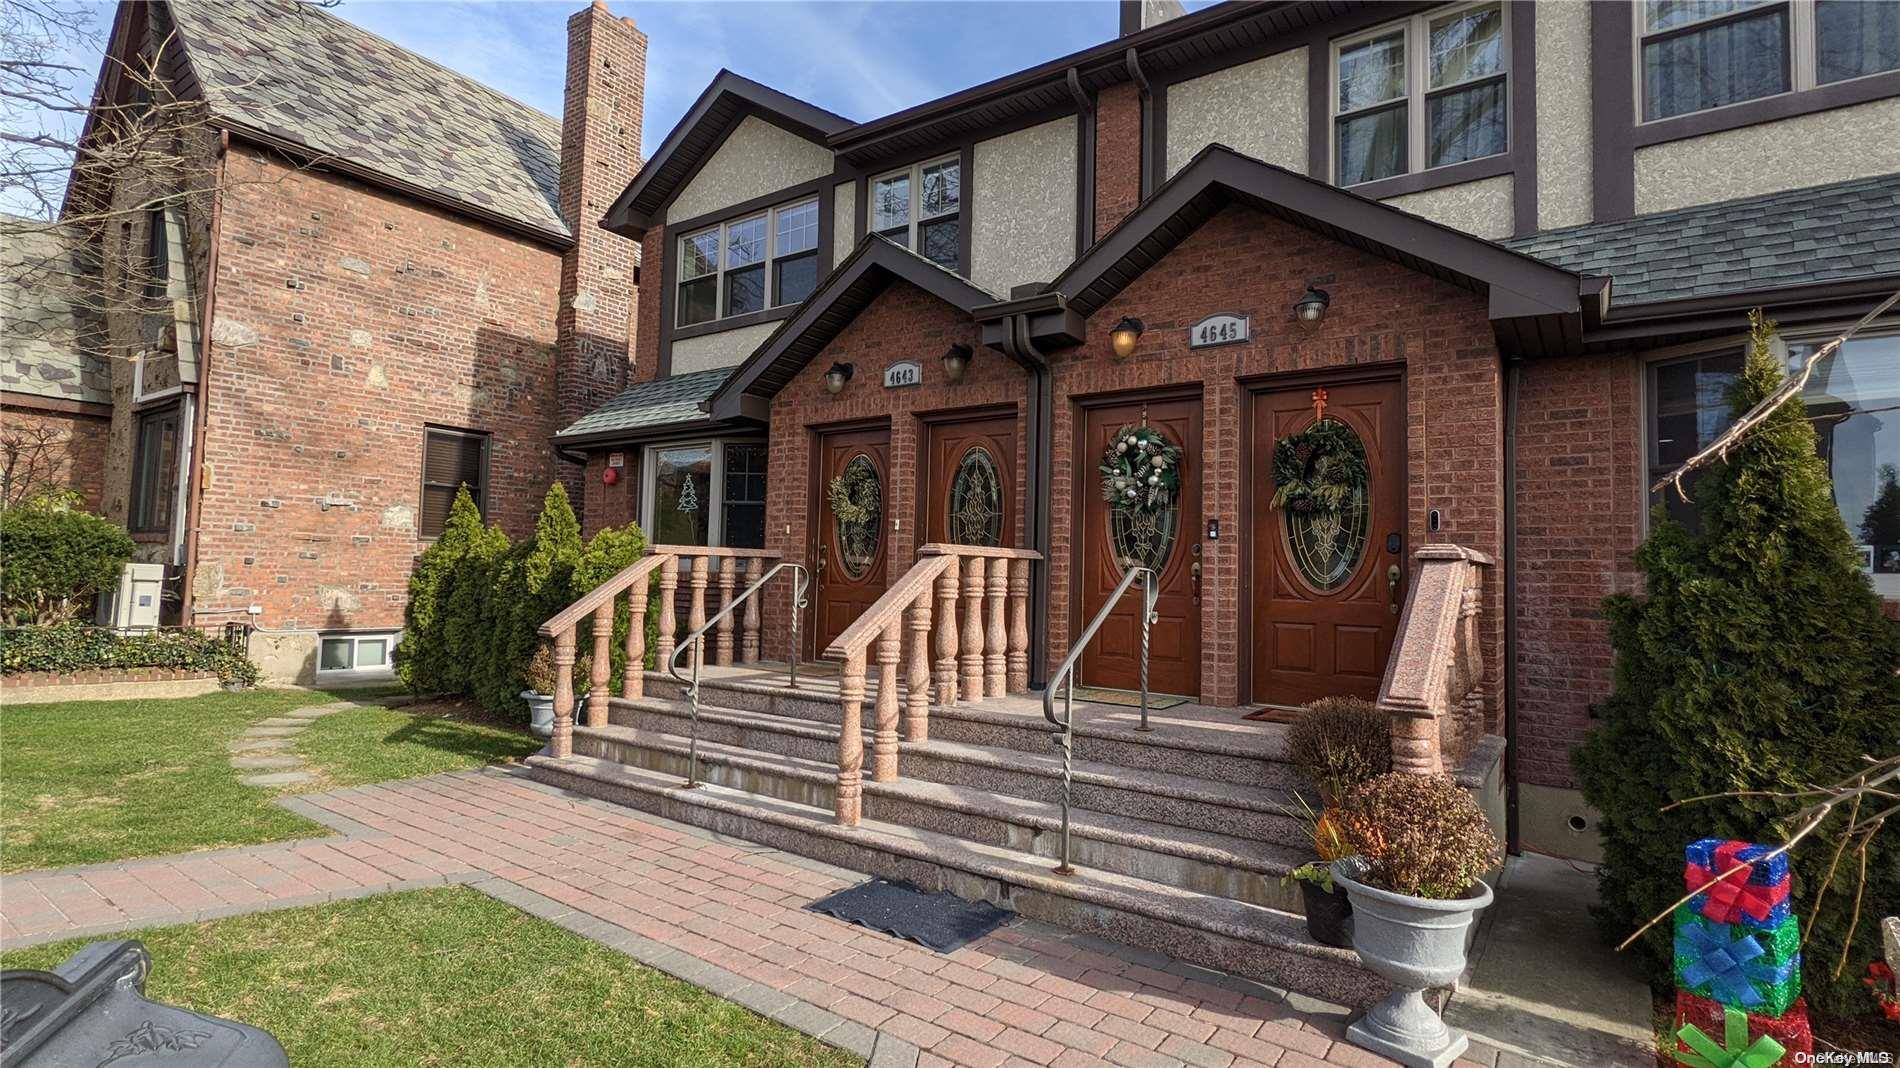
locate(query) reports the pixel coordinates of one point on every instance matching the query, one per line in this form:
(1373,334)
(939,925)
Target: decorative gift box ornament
(1756,896)
(1712,1035)
(1744,967)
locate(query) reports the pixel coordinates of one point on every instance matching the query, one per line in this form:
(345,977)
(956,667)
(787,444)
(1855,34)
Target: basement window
(362,656)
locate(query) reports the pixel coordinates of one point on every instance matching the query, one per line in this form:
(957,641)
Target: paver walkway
(726,915)
(267,750)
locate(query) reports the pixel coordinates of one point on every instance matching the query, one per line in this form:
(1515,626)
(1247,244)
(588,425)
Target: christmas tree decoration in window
(976,500)
(1319,480)
(689,497)
(1141,482)
(857,513)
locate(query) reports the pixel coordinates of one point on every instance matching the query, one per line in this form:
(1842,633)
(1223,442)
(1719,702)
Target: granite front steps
(1179,838)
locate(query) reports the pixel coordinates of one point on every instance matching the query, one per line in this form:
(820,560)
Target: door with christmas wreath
(850,515)
(1328,528)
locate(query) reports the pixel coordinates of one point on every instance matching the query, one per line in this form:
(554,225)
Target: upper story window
(451,459)
(1424,92)
(155,470)
(921,208)
(1701,54)
(748,265)
(158,257)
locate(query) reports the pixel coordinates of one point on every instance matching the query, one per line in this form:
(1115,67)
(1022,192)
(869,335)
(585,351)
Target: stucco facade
(1022,203)
(1482,208)
(1814,149)
(1258,108)
(757,158)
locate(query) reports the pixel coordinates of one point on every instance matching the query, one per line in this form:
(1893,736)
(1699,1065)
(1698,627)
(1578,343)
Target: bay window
(1424,92)
(1700,54)
(921,208)
(706,493)
(748,265)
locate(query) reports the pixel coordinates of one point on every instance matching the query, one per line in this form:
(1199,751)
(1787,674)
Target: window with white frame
(748,265)
(1427,91)
(921,208)
(1700,54)
(355,654)
(706,493)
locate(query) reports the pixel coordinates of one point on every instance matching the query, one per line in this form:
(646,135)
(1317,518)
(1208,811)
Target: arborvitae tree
(1880,524)
(1757,660)
(422,662)
(532,582)
(607,554)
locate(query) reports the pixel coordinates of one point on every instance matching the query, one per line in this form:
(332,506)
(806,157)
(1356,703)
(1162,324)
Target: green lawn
(441,977)
(94,781)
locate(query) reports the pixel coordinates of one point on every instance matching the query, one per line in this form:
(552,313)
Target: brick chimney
(600,151)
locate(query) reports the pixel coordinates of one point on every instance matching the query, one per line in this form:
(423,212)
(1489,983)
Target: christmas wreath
(1319,469)
(1141,470)
(854,494)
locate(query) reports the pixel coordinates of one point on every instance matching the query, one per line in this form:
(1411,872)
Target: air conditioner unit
(134,605)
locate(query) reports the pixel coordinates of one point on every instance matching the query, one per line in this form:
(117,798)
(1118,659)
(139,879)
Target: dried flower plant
(1420,835)
(1338,743)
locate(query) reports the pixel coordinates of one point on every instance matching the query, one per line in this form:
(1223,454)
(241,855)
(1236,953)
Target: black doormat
(941,921)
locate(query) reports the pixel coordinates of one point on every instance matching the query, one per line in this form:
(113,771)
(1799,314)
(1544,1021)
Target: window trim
(392,638)
(1416,34)
(422,477)
(722,320)
(716,485)
(914,217)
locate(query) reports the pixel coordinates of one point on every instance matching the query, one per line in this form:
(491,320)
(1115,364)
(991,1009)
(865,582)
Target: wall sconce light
(956,362)
(835,378)
(1312,307)
(1124,336)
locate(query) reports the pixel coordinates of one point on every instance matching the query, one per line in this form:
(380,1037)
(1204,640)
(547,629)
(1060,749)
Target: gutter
(194,493)
(1021,347)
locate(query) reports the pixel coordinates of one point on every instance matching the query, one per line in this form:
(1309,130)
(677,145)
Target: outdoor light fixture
(1312,307)
(956,362)
(1124,336)
(835,378)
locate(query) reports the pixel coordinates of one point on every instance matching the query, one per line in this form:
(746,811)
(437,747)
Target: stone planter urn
(540,712)
(1414,943)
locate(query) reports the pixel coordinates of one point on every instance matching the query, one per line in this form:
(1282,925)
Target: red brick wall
(646,331)
(60,450)
(1117,155)
(347,320)
(1579,518)
(610,506)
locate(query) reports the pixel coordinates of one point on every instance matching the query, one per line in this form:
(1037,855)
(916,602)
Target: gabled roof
(295,74)
(727,101)
(1829,233)
(52,342)
(1537,307)
(846,291)
(665,402)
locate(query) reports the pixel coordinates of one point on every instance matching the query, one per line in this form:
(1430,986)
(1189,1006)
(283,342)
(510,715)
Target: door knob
(1392,589)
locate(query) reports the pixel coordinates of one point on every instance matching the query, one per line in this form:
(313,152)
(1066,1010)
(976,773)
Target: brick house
(1518,275)
(377,292)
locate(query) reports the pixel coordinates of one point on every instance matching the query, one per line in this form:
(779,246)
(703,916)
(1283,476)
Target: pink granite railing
(1437,678)
(976,603)
(671,562)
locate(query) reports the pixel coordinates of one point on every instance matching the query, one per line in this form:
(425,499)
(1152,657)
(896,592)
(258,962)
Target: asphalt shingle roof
(49,336)
(1825,233)
(651,404)
(297,72)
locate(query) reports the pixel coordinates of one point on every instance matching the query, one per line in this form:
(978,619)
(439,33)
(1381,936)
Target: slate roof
(297,72)
(1827,233)
(651,404)
(48,346)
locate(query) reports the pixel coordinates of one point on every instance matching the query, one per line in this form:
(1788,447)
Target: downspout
(1019,345)
(195,491)
(1084,164)
(1513,372)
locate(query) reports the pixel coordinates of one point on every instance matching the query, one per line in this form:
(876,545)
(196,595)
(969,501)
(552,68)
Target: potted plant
(1421,846)
(540,692)
(1337,743)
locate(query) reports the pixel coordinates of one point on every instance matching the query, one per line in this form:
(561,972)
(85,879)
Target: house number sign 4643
(1218,329)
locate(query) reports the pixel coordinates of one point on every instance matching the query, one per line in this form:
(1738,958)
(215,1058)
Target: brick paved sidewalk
(723,914)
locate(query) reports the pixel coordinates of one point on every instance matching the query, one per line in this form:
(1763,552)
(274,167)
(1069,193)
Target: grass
(447,976)
(86,782)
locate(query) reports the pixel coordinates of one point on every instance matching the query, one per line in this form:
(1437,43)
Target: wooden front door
(849,550)
(970,481)
(1326,593)
(1171,544)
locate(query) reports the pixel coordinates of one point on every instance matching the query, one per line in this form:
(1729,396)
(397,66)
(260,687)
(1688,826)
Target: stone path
(267,751)
(728,916)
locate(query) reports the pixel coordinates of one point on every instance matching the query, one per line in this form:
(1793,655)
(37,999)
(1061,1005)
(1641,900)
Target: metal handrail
(697,642)
(1066,725)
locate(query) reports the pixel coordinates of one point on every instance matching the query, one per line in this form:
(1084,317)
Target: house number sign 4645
(1219,329)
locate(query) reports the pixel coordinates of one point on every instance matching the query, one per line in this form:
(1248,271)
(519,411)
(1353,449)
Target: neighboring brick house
(1519,273)
(397,288)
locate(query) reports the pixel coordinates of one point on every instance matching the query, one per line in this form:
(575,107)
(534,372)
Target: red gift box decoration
(1756,895)
(1790,1028)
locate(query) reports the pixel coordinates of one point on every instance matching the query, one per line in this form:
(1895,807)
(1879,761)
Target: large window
(1424,92)
(155,471)
(1853,402)
(921,208)
(707,493)
(1701,54)
(748,265)
(451,459)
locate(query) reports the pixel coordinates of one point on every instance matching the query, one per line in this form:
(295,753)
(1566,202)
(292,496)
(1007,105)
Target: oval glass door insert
(976,500)
(1326,546)
(1145,536)
(859,523)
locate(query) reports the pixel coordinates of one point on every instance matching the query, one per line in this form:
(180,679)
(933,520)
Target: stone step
(1264,944)
(1244,868)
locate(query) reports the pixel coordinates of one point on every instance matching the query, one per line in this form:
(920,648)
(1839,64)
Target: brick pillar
(1117,155)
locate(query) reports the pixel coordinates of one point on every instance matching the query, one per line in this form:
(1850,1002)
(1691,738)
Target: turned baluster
(947,585)
(722,647)
(970,656)
(602,666)
(1018,626)
(749,632)
(884,726)
(633,684)
(995,641)
(917,701)
(849,804)
(696,608)
(669,616)
(561,742)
